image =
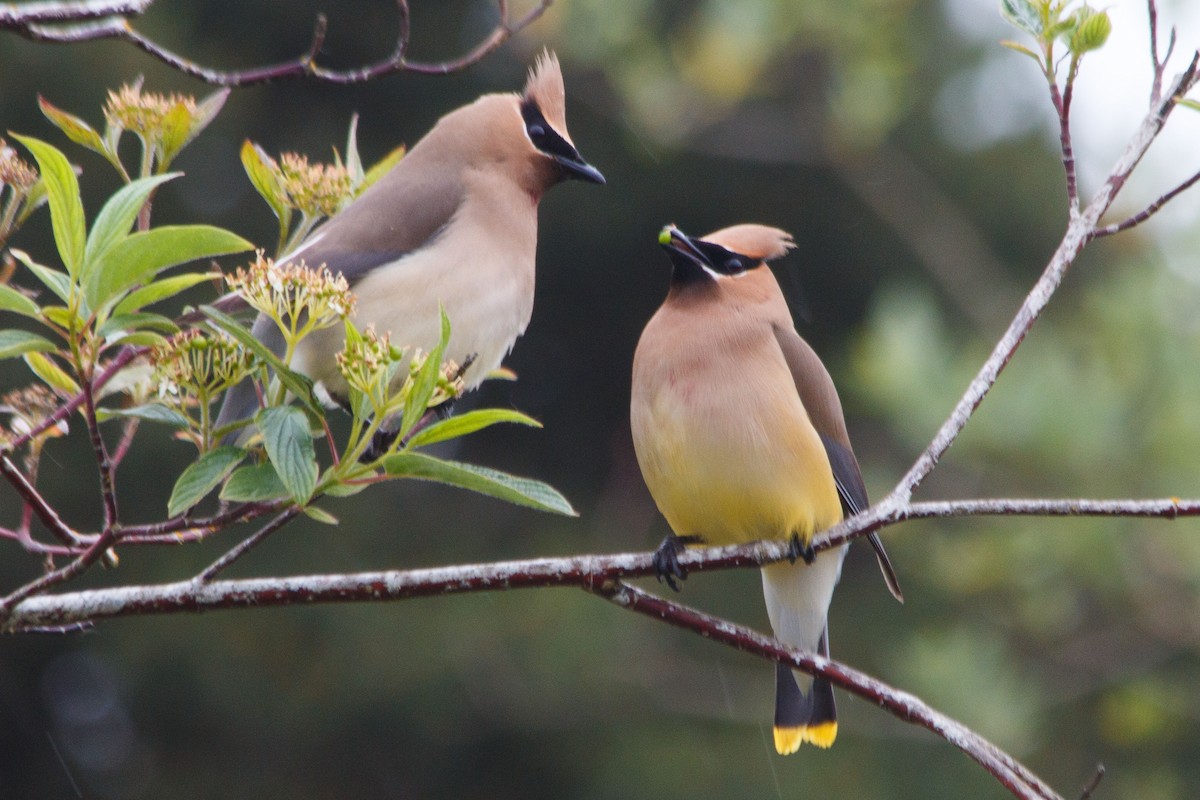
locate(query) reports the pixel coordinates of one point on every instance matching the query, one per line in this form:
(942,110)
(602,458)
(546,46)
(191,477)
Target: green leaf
(253,483)
(264,176)
(114,221)
(66,209)
(128,323)
(76,129)
(1192,104)
(55,280)
(521,491)
(160,290)
(463,424)
(320,515)
(138,339)
(1091,31)
(51,374)
(18,343)
(299,385)
(150,412)
(425,381)
(176,125)
(381,167)
(143,255)
(354,166)
(12,300)
(1020,48)
(289,445)
(345,489)
(1023,14)
(202,476)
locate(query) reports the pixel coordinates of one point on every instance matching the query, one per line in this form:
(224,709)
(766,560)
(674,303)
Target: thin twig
(93,27)
(16,17)
(1078,234)
(1147,212)
(224,562)
(45,512)
(119,362)
(108,489)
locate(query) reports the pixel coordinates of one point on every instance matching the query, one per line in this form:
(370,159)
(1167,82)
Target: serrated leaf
(55,280)
(202,476)
(1023,14)
(115,220)
(467,423)
(264,176)
(51,374)
(150,412)
(162,289)
(75,129)
(18,343)
(253,484)
(12,300)
(501,485)
(380,168)
(142,255)
(289,446)
(66,209)
(300,386)
(320,515)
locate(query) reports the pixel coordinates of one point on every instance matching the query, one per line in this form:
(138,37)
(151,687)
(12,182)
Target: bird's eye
(536,131)
(734,265)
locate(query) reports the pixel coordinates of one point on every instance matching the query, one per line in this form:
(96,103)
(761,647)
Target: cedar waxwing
(453,223)
(740,436)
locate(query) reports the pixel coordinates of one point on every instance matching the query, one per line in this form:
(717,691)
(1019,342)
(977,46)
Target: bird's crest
(755,241)
(545,89)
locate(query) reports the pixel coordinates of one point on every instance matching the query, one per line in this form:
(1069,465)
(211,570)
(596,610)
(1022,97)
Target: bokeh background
(914,160)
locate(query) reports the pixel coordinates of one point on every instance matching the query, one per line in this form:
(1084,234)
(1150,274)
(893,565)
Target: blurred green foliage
(1068,642)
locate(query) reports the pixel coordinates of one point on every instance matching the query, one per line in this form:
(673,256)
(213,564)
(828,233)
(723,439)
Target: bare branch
(16,17)
(1079,233)
(108,20)
(1147,212)
(586,570)
(1007,770)
(45,512)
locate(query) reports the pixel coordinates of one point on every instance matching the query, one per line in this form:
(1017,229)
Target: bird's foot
(666,559)
(798,549)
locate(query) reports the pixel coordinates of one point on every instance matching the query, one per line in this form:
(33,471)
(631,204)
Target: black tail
(801,717)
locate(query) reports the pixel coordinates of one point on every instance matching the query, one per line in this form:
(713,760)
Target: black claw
(666,559)
(798,550)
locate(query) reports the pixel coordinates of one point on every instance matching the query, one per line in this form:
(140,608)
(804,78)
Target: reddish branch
(71,23)
(1013,775)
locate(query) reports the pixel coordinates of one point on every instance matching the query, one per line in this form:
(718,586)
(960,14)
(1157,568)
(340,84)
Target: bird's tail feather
(803,717)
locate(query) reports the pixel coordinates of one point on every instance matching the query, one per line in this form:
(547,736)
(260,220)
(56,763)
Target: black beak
(688,263)
(575,167)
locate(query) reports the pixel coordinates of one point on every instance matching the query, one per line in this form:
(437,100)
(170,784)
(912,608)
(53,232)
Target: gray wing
(820,398)
(404,211)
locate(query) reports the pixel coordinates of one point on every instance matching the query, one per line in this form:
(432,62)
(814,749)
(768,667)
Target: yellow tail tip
(788,740)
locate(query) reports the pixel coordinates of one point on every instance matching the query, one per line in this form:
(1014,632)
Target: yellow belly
(735,472)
